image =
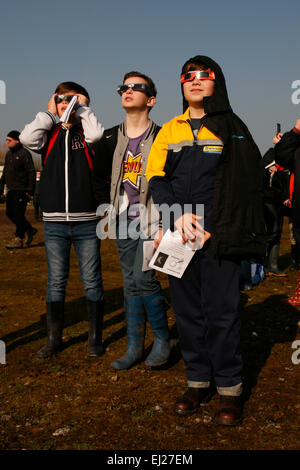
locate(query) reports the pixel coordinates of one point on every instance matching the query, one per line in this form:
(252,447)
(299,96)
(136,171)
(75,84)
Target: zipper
(67,174)
(195,140)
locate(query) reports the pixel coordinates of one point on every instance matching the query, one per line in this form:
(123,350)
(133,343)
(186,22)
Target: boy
(207,157)
(121,156)
(19,177)
(69,208)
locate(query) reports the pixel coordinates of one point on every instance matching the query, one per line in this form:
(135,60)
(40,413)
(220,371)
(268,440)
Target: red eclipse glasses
(200,74)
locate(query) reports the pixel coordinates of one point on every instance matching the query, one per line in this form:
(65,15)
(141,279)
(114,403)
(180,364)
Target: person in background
(287,154)
(276,200)
(19,177)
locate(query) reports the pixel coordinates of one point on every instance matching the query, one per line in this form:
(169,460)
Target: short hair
(66,87)
(147,79)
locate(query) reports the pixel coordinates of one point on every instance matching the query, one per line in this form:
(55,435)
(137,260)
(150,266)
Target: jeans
(59,237)
(137,283)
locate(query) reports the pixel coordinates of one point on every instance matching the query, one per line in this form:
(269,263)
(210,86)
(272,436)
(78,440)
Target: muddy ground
(74,402)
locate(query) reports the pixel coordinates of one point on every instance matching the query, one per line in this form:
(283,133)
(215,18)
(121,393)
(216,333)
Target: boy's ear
(151,102)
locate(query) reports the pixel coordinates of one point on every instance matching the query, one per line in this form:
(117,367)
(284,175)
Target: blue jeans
(137,283)
(59,237)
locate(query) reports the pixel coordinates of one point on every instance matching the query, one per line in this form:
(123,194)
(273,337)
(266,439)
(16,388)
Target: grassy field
(78,403)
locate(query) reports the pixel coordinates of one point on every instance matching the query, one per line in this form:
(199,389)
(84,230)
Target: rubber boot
(135,325)
(295,299)
(295,258)
(95,314)
(55,320)
(273,269)
(156,311)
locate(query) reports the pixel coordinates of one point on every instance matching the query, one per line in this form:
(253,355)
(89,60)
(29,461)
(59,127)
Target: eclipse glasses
(60,98)
(135,87)
(200,74)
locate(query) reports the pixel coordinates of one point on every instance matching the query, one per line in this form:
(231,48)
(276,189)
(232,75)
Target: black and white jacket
(66,192)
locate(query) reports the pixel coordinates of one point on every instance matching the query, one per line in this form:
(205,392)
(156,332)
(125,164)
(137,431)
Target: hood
(219,101)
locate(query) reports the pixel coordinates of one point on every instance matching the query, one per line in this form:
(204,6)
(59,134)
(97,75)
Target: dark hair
(147,79)
(66,87)
(194,64)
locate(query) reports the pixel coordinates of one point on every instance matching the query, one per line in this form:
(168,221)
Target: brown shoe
(230,411)
(191,400)
(16,242)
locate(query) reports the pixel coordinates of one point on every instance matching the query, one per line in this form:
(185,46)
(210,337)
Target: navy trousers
(16,203)
(205,301)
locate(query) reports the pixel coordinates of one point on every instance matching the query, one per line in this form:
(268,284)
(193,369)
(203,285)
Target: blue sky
(94,43)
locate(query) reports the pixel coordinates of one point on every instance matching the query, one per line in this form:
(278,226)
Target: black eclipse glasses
(135,87)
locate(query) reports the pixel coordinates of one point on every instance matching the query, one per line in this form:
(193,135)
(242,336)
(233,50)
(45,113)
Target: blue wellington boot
(156,311)
(135,325)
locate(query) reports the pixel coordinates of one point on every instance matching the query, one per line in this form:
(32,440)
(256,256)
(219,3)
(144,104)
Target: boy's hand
(157,238)
(52,105)
(277,138)
(82,100)
(189,227)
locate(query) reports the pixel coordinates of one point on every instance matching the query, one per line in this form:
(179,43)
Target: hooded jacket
(237,220)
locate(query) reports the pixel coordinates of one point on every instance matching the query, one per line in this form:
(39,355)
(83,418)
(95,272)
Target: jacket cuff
(51,115)
(296,131)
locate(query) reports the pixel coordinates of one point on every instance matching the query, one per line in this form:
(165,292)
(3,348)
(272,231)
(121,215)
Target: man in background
(19,177)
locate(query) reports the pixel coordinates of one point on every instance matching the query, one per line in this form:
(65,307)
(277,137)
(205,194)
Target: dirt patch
(74,402)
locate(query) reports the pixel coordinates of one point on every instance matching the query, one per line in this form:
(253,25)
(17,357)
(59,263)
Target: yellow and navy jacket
(181,166)
(220,168)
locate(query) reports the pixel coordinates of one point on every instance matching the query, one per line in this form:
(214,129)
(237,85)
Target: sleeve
(101,175)
(285,149)
(34,135)
(159,182)
(92,128)
(29,166)
(2,180)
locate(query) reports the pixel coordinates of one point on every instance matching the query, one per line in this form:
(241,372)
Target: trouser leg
(87,247)
(16,203)
(205,301)
(57,246)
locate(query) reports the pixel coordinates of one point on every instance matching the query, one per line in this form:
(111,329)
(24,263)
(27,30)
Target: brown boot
(230,410)
(191,400)
(16,242)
